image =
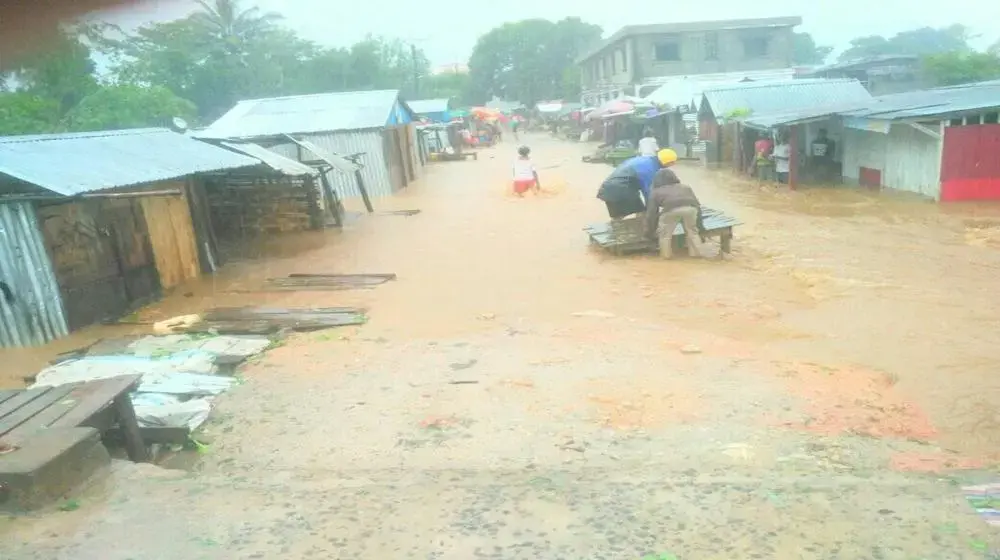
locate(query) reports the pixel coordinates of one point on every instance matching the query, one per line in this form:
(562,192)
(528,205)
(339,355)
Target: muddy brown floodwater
(823,393)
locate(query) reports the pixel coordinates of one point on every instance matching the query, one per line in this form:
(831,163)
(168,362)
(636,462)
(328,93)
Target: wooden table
(622,237)
(96,404)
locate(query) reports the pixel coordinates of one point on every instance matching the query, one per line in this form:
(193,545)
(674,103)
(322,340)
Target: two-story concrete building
(630,61)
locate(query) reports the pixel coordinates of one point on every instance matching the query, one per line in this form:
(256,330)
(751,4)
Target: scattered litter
(487,316)
(70,505)
(399,213)
(595,314)
(523,383)
(463,382)
(985,499)
(177,324)
(319,282)
(457,366)
(690,349)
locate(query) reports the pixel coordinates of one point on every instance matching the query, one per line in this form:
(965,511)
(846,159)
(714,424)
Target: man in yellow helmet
(620,191)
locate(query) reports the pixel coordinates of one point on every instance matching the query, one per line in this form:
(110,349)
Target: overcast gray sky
(447,31)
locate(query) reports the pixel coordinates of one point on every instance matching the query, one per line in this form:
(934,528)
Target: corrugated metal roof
(71,164)
(425,106)
(783,118)
(866,61)
(773,97)
(684,90)
(275,161)
(304,114)
(953,100)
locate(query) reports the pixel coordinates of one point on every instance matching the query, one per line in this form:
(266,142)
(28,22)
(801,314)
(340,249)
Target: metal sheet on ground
(328,281)
(255,320)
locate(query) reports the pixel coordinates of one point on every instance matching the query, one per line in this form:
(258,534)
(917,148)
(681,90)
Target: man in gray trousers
(671,202)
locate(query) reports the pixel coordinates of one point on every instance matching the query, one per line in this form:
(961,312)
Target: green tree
(26,113)
(128,106)
(224,54)
(920,42)
(230,26)
(957,67)
(806,51)
(214,57)
(63,72)
(527,60)
(453,85)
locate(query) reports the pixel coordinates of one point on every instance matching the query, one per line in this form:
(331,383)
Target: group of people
(644,184)
(773,161)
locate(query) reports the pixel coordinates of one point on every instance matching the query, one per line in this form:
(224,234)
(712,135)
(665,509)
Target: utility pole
(416,71)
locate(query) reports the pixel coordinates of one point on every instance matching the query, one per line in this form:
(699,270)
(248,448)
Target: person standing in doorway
(782,159)
(763,164)
(821,154)
(671,203)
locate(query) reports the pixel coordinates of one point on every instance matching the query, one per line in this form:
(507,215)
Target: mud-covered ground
(822,393)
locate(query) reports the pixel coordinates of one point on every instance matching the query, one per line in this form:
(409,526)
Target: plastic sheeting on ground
(179,374)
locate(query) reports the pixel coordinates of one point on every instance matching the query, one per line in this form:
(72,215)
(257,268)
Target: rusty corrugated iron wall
(375,171)
(31,311)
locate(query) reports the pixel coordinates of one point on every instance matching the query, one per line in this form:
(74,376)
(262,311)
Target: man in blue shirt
(620,191)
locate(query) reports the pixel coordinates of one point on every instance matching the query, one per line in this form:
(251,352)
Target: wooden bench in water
(101,404)
(622,237)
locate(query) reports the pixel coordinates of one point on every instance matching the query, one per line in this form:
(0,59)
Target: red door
(970,163)
(871,178)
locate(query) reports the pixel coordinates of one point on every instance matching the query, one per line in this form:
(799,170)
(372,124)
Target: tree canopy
(806,51)
(197,67)
(530,60)
(921,42)
(957,67)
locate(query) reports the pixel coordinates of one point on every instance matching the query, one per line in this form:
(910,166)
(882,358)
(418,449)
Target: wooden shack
(101,223)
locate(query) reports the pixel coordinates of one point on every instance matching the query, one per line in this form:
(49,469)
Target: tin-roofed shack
(97,224)
(378,125)
(722,112)
(940,143)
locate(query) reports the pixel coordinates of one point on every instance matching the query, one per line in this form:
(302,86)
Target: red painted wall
(970,164)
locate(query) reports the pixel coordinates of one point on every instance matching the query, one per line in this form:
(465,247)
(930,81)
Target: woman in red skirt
(525,176)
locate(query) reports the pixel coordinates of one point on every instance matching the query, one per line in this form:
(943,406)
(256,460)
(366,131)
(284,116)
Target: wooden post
(364,191)
(134,445)
(332,202)
(793,161)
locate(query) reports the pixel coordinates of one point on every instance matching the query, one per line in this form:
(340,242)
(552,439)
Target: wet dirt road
(518,396)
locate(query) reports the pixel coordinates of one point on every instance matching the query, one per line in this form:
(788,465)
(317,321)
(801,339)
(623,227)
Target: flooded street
(824,392)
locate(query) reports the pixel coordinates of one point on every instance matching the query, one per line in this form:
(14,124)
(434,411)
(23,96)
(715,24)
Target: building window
(712,46)
(756,47)
(990,118)
(668,52)
(614,63)
(624,60)
(605,70)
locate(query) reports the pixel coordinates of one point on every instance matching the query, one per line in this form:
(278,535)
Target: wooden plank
(26,413)
(100,395)
(161,434)
(377,276)
(20,399)
(6,395)
(53,412)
